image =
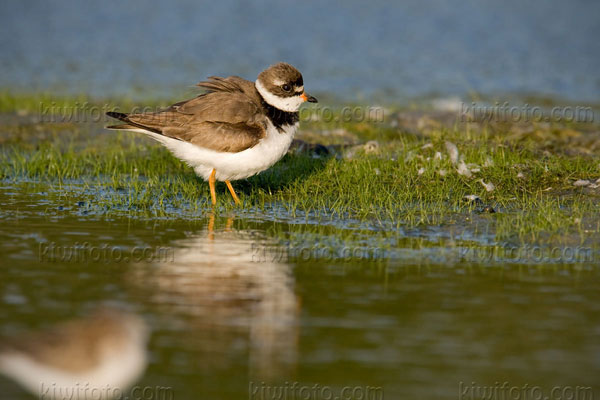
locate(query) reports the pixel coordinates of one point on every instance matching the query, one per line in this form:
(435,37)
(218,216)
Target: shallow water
(241,302)
(387,50)
(232,313)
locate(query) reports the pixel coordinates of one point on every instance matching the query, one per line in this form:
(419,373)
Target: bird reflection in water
(227,301)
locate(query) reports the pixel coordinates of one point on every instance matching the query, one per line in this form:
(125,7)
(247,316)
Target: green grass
(401,185)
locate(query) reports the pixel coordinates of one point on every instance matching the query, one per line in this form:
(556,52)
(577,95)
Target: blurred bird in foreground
(97,357)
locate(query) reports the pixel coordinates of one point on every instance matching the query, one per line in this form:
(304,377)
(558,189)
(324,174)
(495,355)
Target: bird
(101,354)
(234,130)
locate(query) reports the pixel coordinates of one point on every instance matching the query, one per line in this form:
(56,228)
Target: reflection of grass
(408,182)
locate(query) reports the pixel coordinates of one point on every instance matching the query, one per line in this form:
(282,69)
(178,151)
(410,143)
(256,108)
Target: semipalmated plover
(100,355)
(235,130)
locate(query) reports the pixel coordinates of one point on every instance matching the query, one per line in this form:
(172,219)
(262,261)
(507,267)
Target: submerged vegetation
(491,183)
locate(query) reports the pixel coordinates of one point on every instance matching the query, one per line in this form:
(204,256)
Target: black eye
(286,87)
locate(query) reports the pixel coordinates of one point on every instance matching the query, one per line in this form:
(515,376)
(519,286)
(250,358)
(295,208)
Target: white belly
(232,166)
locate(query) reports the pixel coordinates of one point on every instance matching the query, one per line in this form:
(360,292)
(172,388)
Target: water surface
(229,308)
(351,50)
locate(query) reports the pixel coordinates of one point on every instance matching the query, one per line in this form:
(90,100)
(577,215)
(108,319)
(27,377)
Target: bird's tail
(129,125)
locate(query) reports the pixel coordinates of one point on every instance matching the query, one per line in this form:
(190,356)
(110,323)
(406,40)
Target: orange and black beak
(308,98)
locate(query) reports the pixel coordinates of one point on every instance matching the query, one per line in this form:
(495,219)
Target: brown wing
(225,119)
(229,84)
(233,87)
(218,136)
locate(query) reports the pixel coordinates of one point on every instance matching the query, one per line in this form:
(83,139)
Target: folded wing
(226,119)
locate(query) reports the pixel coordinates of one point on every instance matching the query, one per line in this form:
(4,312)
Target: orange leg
(235,198)
(229,224)
(211,226)
(211,183)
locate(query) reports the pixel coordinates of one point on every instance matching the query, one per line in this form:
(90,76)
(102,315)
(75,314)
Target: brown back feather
(229,118)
